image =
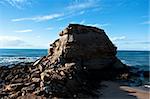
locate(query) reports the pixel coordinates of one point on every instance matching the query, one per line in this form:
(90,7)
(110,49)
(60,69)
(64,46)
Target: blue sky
(37,23)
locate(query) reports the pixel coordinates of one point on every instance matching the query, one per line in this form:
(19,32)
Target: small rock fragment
(62,73)
(35,79)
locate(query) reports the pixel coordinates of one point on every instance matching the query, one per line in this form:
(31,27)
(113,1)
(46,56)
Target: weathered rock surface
(89,45)
(81,57)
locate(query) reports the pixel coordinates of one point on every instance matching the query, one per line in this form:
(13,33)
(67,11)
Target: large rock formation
(79,55)
(85,44)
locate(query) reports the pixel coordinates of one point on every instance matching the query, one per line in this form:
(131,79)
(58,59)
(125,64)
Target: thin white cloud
(145,16)
(38,36)
(138,42)
(62,27)
(99,25)
(3,38)
(49,28)
(118,38)
(146,22)
(103,25)
(23,31)
(81,22)
(70,14)
(12,42)
(82,12)
(78,7)
(39,18)
(17,3)
(82,4)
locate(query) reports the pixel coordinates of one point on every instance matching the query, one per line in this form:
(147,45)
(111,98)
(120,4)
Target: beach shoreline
(115,90)
(109,89)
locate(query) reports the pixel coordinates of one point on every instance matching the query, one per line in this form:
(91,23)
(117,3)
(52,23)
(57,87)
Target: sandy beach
(114,90)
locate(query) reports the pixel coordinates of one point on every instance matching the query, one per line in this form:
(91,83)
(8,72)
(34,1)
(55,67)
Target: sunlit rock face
(88,45)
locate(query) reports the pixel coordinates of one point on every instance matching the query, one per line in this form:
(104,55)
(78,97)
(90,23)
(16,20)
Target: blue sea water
(14,56)
(138,59)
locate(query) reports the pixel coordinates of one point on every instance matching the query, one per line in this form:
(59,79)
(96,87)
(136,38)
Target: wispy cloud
(99,25)
(81,12)
(62,27)
(146,22)
(103,25)
(138,42)
(145,16)
(82,4)
(118,38)
(17,3)
(38,36)
(70,14)
(144,42)
(3,38)
(39,18)
(81,22)
(49,28)
(78,7)
(12,41)
(24,31)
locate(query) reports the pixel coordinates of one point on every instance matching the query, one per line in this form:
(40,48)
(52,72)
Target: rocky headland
(76,63)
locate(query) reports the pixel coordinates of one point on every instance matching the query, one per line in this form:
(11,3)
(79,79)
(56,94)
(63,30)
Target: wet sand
(114,90)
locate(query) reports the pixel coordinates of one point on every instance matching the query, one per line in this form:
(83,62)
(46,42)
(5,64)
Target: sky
(37,23)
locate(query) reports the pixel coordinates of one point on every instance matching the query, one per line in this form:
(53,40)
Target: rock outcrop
(85,44)
(81,57)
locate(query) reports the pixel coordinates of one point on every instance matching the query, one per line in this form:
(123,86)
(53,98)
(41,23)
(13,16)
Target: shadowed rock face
(89,45)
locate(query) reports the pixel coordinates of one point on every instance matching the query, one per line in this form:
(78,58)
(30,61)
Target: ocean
(138,59)
(14,56)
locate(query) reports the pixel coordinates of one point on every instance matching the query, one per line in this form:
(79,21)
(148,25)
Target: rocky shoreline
(25,79)
(76,63)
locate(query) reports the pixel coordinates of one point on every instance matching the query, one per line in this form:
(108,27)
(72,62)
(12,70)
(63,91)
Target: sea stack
(86,45)
(81,55)
(76,62)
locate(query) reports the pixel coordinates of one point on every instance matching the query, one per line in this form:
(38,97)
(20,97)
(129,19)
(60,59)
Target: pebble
(70,77)
(84,67)
(62,73)
(35,79)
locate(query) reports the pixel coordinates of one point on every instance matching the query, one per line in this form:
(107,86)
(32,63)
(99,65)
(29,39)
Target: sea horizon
(8,56)
(48,48)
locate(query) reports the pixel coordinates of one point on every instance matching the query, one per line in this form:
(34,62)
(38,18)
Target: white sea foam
(5,61)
